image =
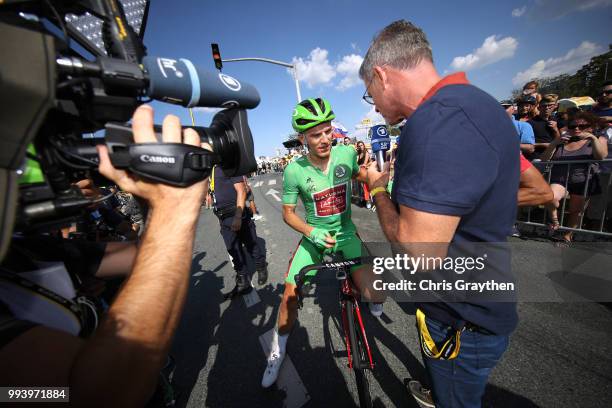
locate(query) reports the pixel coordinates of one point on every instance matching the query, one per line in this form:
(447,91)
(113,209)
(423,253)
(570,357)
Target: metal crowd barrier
(601,169)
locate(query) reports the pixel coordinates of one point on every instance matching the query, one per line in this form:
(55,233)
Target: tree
(585,82)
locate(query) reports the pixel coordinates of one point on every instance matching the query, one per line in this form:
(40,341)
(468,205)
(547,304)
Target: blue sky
(499,44)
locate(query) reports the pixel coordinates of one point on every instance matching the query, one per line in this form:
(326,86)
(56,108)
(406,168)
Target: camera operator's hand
(89,189)
(157,194)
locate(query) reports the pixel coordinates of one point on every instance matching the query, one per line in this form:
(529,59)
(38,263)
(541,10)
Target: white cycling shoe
(376,309)
(275,360)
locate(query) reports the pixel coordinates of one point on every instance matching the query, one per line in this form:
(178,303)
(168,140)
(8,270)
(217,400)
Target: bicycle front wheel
(359,355)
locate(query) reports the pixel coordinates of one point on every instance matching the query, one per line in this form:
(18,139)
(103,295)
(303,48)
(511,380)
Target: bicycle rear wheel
(359,355)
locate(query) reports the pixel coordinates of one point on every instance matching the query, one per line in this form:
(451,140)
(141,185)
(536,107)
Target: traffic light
(217,56)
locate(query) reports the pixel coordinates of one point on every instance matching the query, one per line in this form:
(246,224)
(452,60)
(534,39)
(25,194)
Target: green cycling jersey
(326,197)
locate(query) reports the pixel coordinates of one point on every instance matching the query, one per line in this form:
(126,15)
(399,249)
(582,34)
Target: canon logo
(157,159)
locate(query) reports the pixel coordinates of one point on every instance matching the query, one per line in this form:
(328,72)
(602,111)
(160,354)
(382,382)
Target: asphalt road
(560,355)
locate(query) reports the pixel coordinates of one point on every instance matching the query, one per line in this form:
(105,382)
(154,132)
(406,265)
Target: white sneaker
(275,360)
(376,309)
(257,217)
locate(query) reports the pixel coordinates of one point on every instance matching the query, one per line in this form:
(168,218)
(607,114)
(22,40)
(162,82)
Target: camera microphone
(180,82)
(168,80)
(381,143)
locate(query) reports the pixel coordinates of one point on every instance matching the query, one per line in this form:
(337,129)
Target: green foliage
(585,82)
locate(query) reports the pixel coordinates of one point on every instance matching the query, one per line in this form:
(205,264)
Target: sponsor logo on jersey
(340,171)
(331,201)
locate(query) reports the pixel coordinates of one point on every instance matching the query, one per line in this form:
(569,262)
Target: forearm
(118,260)
(534,196)
(600,150)
(240,201)
(548,153)
(298,224)
(387,216)
(527,148)
(133,340)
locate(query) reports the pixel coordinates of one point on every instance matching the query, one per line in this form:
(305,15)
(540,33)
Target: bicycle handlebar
(334,264)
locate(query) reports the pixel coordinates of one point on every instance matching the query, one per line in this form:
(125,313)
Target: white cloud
(348,68)
(316,69)
(492,50)
(553,9)
(573,60)
(517,12)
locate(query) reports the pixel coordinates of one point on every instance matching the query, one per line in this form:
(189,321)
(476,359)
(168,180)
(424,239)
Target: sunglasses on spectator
(606,92)
(574,126)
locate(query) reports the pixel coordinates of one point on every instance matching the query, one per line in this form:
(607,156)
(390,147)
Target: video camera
(57,86)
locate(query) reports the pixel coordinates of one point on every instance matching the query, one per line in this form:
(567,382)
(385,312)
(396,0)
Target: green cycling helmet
(310,113)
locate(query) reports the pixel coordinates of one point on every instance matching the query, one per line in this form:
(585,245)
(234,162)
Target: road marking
(272,182)
(274,194)
(288,379)
(258,184)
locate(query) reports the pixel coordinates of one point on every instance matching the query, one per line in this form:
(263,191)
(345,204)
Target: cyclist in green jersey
(322,180)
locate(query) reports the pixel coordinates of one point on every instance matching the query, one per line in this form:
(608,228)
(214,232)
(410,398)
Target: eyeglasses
(366,95)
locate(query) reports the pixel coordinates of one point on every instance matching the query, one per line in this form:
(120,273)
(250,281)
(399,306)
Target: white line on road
(272,182)
(258,184)
(288,379)
(274,194)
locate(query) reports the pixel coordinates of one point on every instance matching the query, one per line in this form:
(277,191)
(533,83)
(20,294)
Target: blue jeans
(461,382)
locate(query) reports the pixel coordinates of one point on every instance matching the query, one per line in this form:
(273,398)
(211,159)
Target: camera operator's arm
(118,260)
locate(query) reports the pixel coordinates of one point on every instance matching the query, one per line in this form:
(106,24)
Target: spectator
(531,89)
(445,192)
(363,159)
(526,108)
(347,141)
(604,102)
(544,126)
(581,181)
(524,129)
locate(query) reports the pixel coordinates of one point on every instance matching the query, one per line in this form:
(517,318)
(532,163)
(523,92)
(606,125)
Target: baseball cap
(527,100)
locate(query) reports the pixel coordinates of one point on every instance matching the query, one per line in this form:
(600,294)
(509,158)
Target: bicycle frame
(348,300)
(348,303)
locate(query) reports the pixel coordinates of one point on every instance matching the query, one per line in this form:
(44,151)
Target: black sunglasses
(573,126)
(606,92)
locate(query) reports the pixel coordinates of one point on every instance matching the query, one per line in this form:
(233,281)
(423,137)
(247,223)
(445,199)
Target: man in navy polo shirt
(456,180)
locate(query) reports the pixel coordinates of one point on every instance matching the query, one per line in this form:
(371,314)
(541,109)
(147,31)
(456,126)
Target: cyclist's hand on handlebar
(322,238)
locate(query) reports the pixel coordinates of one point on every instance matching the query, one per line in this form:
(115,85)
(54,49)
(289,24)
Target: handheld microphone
(381,143)
(182,83)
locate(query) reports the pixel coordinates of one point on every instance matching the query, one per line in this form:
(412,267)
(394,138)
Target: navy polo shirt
(460,156)
(225,192)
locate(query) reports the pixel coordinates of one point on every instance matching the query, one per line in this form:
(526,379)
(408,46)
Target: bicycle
(357,346)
